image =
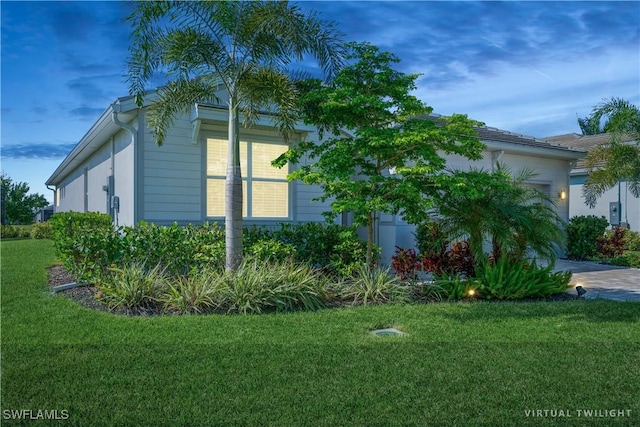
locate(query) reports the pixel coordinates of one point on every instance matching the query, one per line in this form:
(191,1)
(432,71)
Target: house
(117,168)
(617,204)
(43,214)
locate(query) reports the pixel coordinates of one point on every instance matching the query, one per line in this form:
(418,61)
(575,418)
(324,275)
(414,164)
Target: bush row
(89,244)
(39,230)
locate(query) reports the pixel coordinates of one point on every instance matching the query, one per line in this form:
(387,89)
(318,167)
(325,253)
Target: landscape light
(580,290)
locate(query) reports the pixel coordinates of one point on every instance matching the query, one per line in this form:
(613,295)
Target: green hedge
(89,244)
(582,233)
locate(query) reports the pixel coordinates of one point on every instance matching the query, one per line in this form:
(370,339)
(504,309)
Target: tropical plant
(258,286)
(393,147)
(619,158)
(245,46)
(132,286)
(454,286)
(374,285)
(199,292)
(517,279)
(611,244)
(503,209)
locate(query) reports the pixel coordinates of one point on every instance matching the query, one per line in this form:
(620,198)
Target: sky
(526,67)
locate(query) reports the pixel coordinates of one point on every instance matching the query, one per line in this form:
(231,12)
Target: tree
(618,159)
(500,208)
(19,206)
(243,45)
(389,159)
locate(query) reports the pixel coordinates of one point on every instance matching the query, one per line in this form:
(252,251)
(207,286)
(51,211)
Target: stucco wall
(630,205)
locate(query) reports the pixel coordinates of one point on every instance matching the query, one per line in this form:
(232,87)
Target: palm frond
(178,96)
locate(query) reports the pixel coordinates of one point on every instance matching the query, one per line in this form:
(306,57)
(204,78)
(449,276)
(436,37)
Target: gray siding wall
(171,176)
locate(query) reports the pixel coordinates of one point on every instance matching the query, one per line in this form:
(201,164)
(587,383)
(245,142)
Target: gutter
(116,108)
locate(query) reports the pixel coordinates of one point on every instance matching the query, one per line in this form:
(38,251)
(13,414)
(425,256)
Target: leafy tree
(616,160)
(498,207)
(388,130)
(245,46)
(19,207)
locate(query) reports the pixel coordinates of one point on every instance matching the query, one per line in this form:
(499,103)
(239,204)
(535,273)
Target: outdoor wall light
(580,290)
(562,195)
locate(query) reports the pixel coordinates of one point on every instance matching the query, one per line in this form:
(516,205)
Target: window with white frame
(265,189)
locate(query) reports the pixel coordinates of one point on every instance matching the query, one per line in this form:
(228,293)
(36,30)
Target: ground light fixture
(471,293)
(580,290)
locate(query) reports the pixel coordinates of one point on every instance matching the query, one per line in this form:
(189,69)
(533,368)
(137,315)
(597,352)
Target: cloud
(86,112)
(36,151)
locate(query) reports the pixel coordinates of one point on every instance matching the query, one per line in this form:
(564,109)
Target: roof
(504,140)
(585,141)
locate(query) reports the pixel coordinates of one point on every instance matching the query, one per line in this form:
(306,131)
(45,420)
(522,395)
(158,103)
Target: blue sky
(526,67)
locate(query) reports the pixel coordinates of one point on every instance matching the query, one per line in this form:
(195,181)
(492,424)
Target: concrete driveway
(603,281)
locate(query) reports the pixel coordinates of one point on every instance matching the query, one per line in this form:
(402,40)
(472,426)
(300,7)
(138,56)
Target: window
(265,188)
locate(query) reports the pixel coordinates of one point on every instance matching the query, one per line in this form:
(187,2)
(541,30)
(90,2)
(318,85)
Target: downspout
(54,197)
(116,108)
(123,125)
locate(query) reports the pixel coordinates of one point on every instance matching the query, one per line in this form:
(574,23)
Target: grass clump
(374,285)
(132,286)
(260,285)
(198,293)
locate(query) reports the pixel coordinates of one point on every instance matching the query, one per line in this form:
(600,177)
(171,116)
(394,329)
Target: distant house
(617,204)
(43,214)
(117,168)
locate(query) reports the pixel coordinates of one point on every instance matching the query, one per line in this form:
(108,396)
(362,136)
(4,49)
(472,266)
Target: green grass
(462,364)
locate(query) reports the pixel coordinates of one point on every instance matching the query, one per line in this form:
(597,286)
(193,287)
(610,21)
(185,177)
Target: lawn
(466,364)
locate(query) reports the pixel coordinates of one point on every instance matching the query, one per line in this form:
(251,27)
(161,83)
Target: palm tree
(615,160)
(244,46)
(500,208)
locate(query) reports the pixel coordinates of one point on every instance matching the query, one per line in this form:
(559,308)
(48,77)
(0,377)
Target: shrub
(431,241)
(516,279)
(632,241)
(457,260)
(87,243)
(201,291)
(271,250)
(582,233)
(454,286)
(132,286)
(15,231)
(9,232)
(42,230)
(258,286)
(374,286)
(611,244)
(628,259)
(177,249)
(405,263)
(336,249)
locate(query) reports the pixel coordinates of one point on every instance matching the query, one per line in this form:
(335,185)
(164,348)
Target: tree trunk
(233,190)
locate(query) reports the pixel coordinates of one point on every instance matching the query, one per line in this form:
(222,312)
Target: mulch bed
(85,296)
